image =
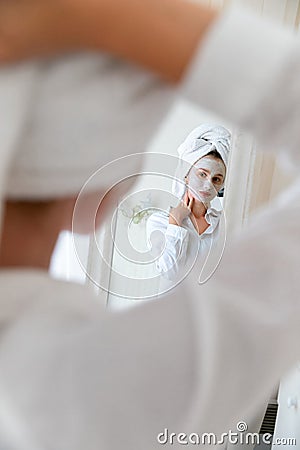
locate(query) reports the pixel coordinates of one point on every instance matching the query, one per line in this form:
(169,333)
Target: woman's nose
(207,185)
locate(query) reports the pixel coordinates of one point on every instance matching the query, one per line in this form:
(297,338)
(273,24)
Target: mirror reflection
(172,222)
(188,232)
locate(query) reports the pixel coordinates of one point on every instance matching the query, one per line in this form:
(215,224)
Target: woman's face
(206,178)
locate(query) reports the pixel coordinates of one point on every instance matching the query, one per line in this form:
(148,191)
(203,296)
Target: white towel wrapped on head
(74,121)
(200,141)
(62,119)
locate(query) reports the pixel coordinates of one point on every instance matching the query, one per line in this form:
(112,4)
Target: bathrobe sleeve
(198,360)
(168,243)
(236,74)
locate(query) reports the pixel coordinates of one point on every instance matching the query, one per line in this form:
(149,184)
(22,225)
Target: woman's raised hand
(181,211)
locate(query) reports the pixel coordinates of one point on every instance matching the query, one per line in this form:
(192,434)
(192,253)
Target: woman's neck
(198,209)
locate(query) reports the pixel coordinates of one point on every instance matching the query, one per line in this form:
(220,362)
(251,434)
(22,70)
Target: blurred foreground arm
(161,35)
(234,74)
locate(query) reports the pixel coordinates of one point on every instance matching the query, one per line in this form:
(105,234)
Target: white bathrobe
(180,249)
(74,377)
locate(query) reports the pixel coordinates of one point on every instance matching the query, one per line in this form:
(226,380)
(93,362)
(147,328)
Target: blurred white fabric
(73,376)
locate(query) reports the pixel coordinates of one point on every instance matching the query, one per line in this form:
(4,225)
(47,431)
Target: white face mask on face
(206,178)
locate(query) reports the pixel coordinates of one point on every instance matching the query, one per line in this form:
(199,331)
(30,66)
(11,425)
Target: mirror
(131,264)
(117,262)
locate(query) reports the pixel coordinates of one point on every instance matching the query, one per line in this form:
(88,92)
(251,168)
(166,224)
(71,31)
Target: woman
(188,233)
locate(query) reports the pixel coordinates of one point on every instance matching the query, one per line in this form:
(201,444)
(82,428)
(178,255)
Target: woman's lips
(204,194)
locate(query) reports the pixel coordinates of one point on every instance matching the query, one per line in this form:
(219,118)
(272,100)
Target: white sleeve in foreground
(248,71)
(197,361)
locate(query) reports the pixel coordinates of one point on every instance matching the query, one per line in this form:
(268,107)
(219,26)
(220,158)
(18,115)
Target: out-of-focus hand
(182,210)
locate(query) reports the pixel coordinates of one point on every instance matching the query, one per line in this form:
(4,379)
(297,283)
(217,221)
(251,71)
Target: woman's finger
(185,199)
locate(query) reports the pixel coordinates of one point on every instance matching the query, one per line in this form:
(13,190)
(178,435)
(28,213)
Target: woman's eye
(202,174)
(217,180)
